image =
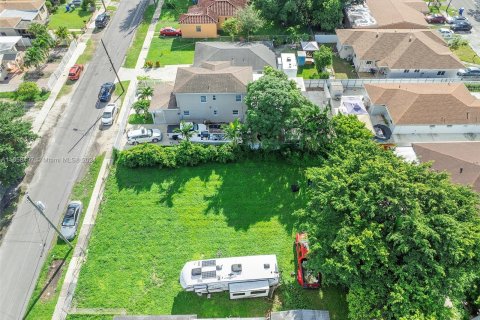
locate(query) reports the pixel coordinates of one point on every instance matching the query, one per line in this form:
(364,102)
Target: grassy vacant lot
(140,34)
(44,297)
(466,54)
(171,50)
(152,221)
(71,20)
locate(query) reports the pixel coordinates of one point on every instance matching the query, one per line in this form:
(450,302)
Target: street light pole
(40,208)
(113,67)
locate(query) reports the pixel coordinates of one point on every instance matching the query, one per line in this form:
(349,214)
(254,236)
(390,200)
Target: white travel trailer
(243,277)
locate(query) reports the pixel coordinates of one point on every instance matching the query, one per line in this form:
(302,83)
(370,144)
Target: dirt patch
(54,274)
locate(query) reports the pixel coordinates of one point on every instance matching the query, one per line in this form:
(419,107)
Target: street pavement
(474,36)
(29,237)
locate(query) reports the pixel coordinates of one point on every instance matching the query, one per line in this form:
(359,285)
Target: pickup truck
(202,133)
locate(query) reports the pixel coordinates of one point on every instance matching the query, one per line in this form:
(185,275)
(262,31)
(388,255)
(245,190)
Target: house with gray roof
(214,91)
(250,54)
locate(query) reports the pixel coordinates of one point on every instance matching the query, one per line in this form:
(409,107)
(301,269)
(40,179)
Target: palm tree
(34,57)
(233,131)
(62,35)
(36,29)
(145,92)
(185,130)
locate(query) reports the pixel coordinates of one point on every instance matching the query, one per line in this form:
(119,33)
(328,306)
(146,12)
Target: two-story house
(392,53)
(204,19)
(16,16)
(424,108)
(212,92)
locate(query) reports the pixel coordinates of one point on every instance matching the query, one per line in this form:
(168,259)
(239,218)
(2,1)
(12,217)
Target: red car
(306,278)
(436,18)
(169,31)
(75,71)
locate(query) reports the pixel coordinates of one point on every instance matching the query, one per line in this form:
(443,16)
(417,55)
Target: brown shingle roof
(9,22)
(163,97)
(460,159)
(27,5)
(398,14)
(213,79)
(208,11)
(400,49)
(426,103)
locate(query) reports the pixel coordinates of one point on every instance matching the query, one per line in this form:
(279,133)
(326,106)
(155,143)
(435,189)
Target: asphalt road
(22,252)
(474,36)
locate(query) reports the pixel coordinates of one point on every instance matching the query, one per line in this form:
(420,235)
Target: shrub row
(184,154)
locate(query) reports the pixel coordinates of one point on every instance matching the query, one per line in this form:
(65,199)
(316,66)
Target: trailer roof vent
(266,266)
(208,263)
(219,267)
(236,267)
(196,272)
(209,274)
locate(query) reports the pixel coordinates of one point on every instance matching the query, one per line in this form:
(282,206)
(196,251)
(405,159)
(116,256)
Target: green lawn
(87,53)
(139,39)
(307,71)
(71,20)
(466,54)
(343,69)
(119,92)
(152,221)
(40,307)
(171,51)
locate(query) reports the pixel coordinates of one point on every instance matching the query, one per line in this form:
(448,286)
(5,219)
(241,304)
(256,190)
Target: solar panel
(209,263)
(209,274)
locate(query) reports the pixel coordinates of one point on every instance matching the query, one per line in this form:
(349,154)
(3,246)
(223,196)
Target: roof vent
(377,35)
(461,170)
(289,59)
(236,267)
(219,267)
(266,266)
(410,38)
(196,272)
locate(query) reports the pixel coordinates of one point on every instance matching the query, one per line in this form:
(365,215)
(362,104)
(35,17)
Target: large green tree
(401,237)
(15,136)
(249,20)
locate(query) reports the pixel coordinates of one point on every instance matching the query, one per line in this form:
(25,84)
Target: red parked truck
(75,72)
(306,278)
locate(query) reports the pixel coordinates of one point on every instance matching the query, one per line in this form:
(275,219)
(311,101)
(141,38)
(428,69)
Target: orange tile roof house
(426,108)
(204,19)
(398,53)
(388,14)
(460,159)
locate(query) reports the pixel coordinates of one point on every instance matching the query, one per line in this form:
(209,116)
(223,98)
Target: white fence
(58,72)
(357,83)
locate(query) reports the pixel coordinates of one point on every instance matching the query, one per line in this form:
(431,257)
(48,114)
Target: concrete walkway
(70,282)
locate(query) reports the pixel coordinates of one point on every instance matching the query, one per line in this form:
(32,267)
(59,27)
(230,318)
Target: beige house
(204,19)
(398,53)
(11,55)
(212,92)
(424,108)
(388,14)
(459,159)
(17,15)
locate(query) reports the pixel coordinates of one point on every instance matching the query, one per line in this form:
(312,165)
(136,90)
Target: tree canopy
(15,135)
(401,237)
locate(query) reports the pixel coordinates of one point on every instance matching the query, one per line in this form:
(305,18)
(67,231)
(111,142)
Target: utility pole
(113,67)
(40,208)
(449,3)
(104,6)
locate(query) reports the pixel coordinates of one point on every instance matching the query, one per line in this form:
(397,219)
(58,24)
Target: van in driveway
(143,135)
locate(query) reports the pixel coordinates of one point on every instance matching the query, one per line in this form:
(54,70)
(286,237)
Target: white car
(446,34)
(109,114)
(143,135)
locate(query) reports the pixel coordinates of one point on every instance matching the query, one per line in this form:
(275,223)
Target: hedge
(184,154)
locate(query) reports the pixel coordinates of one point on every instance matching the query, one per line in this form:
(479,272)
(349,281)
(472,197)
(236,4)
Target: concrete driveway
(26,243)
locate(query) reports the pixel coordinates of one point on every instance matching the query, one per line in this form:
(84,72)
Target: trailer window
(238,294)
(259,292)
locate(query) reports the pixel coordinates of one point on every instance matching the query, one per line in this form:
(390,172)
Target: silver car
(143,135)
(71,220)
(109,114)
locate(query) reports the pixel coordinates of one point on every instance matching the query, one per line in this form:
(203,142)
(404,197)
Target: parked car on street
(306,278)
(75,71)
(446,34)
(106,91)
(102,20)
(109,114)
(71,220)
(171,32)
(143,135)
(436,18)
(456,19)
(461,26)
(469,72)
